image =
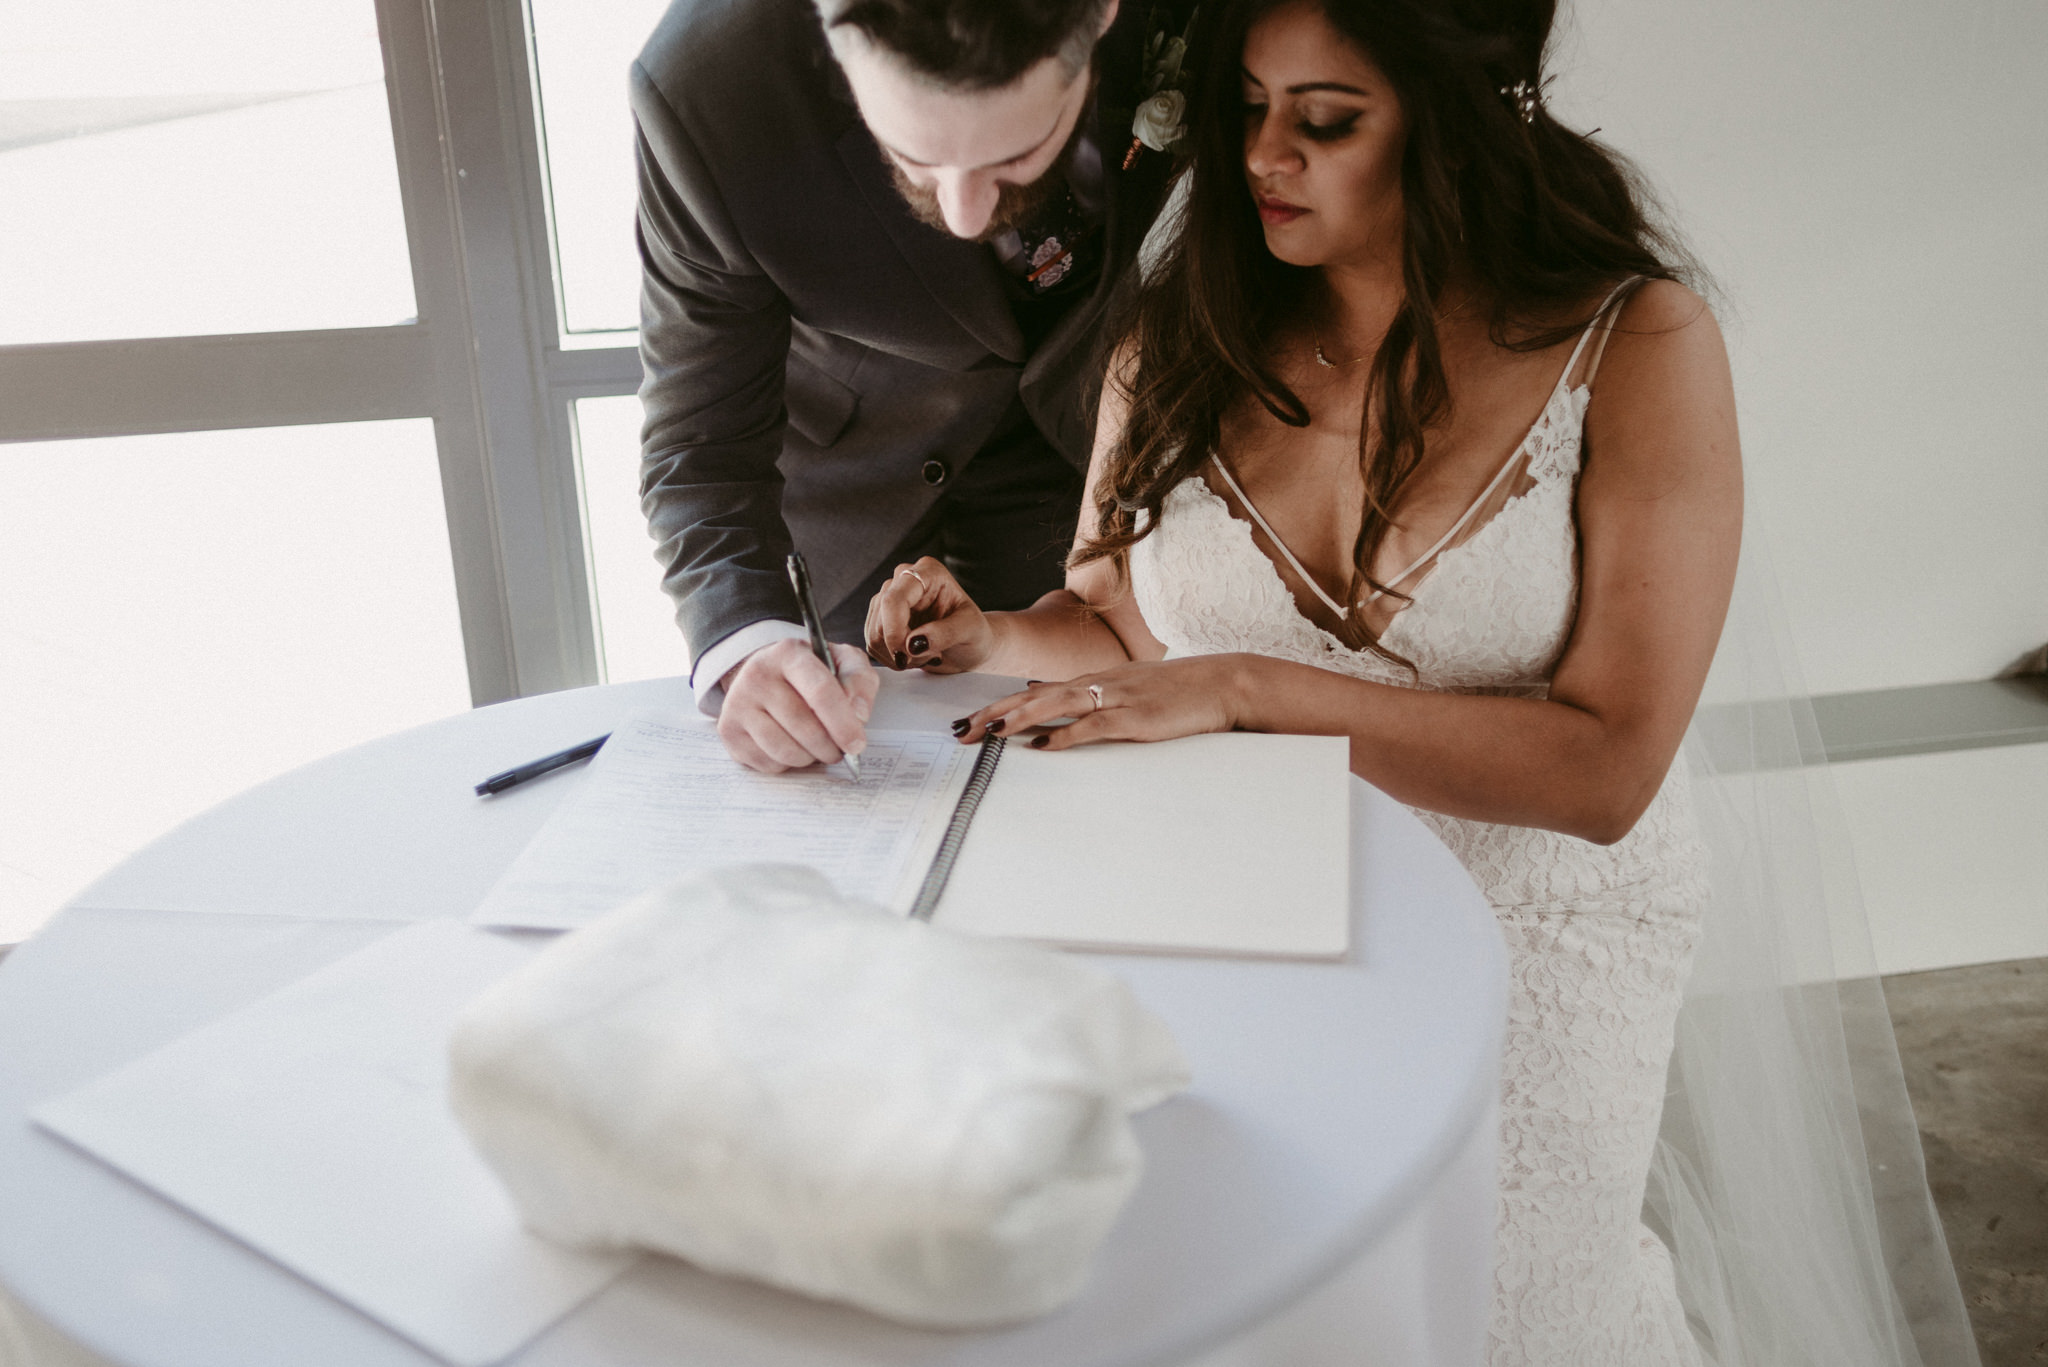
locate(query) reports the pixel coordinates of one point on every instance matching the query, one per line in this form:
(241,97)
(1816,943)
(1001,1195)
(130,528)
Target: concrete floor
(1974,1042)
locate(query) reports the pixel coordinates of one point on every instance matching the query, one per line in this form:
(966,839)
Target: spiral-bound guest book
(1225,844)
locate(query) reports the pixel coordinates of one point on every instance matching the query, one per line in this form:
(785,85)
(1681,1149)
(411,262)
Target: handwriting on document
(663,799)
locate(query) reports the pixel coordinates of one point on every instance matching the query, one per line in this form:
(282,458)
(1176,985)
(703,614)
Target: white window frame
(484,360)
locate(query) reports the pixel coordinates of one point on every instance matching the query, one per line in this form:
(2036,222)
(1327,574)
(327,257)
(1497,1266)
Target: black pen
(800,580)
(512,778)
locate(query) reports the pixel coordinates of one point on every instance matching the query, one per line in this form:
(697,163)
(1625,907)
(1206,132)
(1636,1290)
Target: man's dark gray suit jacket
(808,345)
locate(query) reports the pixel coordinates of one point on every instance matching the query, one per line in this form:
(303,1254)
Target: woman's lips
(1277,211)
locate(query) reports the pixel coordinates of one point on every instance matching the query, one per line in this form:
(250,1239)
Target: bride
(1414,437)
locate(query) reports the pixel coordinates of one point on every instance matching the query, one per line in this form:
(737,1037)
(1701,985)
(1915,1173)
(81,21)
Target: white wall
(1868,183)
(1950,853)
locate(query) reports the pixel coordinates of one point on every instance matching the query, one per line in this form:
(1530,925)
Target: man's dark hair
(974,44)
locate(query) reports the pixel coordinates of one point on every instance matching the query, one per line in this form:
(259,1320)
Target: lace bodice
(1215,590)
(1492,616)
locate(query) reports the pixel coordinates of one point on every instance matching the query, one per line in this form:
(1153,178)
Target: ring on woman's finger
(914,575)
(1095,692)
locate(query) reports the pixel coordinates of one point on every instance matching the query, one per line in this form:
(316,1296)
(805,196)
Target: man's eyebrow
(909,160)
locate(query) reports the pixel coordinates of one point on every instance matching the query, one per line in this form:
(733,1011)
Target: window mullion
(461,113)
(130,386)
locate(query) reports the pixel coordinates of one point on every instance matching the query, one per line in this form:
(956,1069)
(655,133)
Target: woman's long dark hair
(1539,218)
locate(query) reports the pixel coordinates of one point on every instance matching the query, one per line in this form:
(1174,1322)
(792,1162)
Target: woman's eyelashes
(1334,131)
(1328,130)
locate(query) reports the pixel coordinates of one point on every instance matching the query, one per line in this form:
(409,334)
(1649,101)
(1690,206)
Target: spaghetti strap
(1463,518)
(1604,320)
(1600,316)
(1342,611)
(1471,509)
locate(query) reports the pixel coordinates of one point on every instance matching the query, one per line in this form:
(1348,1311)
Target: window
(191,613)
(290,284)
(217,167)
(581,59)
(582,53)
(636,621)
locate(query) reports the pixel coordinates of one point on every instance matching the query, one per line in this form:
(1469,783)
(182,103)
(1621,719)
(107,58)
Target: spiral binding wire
(956,829)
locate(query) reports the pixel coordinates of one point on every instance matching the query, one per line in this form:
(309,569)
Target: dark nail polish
(902,660)
(1033,683)
(927,664)
(994,727)
(1040,742)
(919,645)
(962,727)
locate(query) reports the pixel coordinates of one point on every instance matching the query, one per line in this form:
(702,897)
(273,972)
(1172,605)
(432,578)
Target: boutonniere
(1161,120)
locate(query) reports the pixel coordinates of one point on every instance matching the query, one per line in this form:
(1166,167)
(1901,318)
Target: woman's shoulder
(1660,333)
(1662,306)
(1624,306)
(1662,395)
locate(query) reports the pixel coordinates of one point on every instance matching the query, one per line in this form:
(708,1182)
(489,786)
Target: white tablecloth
(1376,1248)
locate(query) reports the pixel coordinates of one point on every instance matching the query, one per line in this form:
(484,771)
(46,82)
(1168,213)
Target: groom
(878,239)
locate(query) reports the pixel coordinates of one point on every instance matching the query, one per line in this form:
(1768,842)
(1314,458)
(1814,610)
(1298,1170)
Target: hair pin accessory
(1523,97)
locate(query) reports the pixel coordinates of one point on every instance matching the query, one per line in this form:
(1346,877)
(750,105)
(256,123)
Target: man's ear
(1108,18)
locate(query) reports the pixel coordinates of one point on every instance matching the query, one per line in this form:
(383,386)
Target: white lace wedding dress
(1600,938)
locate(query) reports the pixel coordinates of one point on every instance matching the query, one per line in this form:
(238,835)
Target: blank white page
(1235,843)
(314,1126)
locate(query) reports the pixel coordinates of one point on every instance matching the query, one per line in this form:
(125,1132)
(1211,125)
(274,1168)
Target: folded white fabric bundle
(749,1072)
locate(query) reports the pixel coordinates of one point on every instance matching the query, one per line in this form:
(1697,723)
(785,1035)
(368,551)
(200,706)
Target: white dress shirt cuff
(715,663)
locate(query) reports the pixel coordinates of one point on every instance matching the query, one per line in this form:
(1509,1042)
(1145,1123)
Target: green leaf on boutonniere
(1160,120)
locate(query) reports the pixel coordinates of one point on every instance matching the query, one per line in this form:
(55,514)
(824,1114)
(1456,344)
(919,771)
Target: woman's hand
(1154,700)
(923,619)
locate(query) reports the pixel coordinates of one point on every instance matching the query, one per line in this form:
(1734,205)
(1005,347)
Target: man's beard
(1015,204)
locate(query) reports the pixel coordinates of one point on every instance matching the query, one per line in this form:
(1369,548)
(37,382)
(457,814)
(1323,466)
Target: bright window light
(636,621)
(583,52)
(211,167)
(187,615)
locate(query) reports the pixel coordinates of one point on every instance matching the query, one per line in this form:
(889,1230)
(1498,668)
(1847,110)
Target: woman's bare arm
(1091,624)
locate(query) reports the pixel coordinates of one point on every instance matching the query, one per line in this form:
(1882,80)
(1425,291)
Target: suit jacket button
(935,472)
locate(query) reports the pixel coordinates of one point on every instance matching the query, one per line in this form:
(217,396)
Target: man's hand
(784,710)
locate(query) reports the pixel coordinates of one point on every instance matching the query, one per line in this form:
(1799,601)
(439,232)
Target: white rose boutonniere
(1161,121)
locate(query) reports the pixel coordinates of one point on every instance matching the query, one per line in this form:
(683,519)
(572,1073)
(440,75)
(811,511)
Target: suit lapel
(961,275)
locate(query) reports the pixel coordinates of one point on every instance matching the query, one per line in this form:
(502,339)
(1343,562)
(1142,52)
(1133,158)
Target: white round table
(1324,1193)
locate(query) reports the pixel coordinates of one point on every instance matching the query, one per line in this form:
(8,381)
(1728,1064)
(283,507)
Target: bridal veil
(1788,1177)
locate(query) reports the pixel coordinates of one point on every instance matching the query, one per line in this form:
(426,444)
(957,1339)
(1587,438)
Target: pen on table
(800,580)
(512,778)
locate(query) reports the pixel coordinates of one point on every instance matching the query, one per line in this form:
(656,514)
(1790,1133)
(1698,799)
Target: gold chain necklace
(1323,357)
(1328,364)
